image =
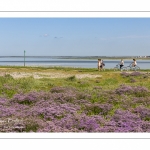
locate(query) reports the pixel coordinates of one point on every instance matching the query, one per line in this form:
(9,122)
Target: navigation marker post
(24,57)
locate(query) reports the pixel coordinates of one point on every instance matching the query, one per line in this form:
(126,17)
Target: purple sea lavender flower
(82,123)
(126,121)
(54,110)
(97,108)
(135,73)
(143,112)
(146,126)
(88,124)
(125,74)
(145,101)
(25,98)
(139,90)
(3,101)
(6,111)
(124,89)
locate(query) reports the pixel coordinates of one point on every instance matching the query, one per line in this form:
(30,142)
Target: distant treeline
(82,57)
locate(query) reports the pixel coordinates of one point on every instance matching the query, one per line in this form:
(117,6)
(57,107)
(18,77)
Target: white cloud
(45,35)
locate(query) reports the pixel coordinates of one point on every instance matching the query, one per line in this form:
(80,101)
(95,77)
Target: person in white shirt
(102,64)
(134,63)
(99,64)
(121,63)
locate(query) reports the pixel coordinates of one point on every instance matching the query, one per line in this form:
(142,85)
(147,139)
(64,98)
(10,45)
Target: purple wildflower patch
(135,73)
(65,109)
(137,90)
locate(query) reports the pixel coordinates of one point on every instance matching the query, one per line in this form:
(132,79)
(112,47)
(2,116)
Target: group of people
(133,64)
(101,64)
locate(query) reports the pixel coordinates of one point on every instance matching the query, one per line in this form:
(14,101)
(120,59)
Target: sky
(75,36)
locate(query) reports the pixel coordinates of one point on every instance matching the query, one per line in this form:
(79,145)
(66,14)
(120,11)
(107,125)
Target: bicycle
(117,67)
(135,68)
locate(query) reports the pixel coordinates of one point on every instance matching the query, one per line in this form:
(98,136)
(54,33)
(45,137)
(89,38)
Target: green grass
(109,80)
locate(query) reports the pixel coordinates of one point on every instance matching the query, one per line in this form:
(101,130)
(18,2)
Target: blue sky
(75,36)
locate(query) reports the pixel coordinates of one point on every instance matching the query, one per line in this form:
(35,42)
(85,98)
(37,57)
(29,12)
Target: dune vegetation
(38,99)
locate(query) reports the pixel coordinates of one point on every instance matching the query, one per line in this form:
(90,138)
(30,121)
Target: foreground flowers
(65,109)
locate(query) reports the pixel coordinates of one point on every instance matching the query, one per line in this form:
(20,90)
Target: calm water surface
(77,63)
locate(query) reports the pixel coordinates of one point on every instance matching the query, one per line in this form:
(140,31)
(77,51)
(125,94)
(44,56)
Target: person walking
(99,64)
(102,65)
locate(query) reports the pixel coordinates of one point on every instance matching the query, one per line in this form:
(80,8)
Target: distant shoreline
(81,57)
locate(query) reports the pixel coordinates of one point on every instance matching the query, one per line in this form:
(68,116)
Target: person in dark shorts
(102,64)
(121,63)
